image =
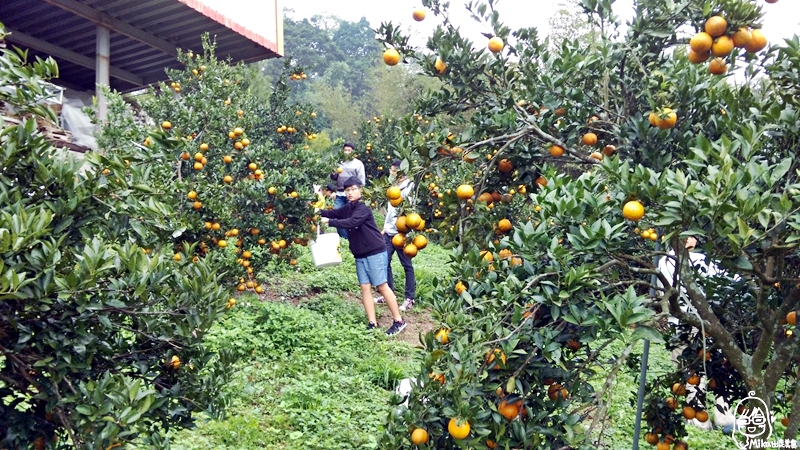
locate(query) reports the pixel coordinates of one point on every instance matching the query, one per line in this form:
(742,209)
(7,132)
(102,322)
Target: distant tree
(392,90)
(357,41)
(570,24)
(336,106)
(308,45)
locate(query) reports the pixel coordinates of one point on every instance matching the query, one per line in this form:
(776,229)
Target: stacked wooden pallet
(52,132)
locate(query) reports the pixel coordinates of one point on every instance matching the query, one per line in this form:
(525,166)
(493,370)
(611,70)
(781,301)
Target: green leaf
(645,332)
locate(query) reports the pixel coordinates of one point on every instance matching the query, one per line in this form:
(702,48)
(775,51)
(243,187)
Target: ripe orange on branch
(458,428)
(723,46)
(504,225)
(701,42)
(510,410)
(393,193)
(742,37)
(556,391)
(490,358)
(633,210)
(696,58)
(665,119)
(589,139)
(496,45)
(413,220)
(391,57)
(419,436)
(440,66)
(757,41)
(465,192)
(418,14)
(717,66)
(399,240)
(715,26)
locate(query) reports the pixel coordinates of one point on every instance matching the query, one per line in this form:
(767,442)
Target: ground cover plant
(101,321)
(614,144)
(549,178)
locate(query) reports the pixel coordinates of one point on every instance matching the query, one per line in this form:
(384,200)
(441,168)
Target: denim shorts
(372,269)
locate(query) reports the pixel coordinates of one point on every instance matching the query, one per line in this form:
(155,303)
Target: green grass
(305,377)
(310,376)
(618,431)
(305,279)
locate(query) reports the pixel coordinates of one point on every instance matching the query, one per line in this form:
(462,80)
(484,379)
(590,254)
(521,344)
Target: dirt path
(419,319)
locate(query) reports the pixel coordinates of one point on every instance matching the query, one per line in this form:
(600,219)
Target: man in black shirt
(366,244)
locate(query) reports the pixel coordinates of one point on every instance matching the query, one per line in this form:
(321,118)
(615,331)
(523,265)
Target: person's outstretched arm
(360,215)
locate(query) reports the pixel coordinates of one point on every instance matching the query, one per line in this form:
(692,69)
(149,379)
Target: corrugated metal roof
(144,36)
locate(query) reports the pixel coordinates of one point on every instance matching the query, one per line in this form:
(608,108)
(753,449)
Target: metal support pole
(102,70)
(637,426)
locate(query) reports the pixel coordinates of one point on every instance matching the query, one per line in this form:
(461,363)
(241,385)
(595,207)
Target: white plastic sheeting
(78,123)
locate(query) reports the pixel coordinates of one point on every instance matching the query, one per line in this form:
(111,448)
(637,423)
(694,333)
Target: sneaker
(396,327)
(379,299)
(407,304)
(371,326)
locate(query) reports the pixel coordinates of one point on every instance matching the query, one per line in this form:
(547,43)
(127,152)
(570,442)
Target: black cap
(352,181)
(396,163)
(349,144)
(330,187)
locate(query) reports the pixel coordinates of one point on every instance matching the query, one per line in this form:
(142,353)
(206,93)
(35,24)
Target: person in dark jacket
(366,244)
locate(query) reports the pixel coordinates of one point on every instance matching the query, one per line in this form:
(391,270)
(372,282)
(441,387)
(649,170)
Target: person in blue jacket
(366,244)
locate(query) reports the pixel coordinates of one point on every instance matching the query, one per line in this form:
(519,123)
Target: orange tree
(237,167)
(637,140)
(377,142)
(101,319)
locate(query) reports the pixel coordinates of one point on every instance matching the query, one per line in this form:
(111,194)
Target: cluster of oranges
(649,233)
(719,41)
(298,76)
(284,128)
(589,139)
(249,284)
(406,224)
(666,442)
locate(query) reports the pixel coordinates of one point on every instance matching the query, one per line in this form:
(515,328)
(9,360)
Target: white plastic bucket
(325,250)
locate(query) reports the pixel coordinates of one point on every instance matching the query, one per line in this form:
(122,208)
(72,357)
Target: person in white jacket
(390,230)
(349,167)
(723,416)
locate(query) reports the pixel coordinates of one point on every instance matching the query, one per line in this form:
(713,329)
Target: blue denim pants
(338,202)
(405,261)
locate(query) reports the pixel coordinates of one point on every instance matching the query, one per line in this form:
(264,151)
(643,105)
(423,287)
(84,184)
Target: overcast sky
(782,18)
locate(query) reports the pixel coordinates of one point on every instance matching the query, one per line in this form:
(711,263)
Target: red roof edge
(217,16)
